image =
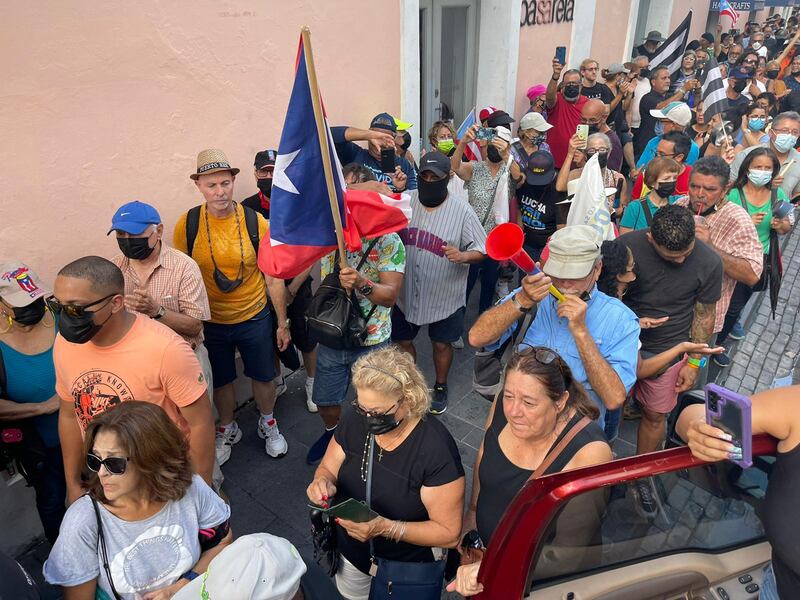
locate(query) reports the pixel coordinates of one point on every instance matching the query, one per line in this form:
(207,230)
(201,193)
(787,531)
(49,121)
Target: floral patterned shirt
(388,254)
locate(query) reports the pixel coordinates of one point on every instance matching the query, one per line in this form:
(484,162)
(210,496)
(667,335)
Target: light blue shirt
(613,327)
(649,153)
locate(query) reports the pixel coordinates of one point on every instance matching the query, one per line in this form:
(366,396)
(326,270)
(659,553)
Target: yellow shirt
(247,300)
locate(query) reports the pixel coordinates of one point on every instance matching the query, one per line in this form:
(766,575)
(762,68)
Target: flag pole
(323,144)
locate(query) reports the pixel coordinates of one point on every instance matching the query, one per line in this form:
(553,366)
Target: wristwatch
(519,306)
(366,289)
(160,313)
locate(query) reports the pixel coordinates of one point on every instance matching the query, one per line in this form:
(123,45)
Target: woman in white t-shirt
(147,525)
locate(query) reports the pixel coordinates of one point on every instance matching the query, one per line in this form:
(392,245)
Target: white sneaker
(276,445)
(312,408)
(280,386)
(225,439)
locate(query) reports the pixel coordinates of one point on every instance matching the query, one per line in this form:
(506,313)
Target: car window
(710,508)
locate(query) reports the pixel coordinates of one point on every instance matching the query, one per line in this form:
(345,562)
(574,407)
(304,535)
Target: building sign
(546,12)
(737,5)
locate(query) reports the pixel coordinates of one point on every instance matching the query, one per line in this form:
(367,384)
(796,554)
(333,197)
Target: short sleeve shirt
(435,287)
(144,555)
(350,152)
(151,363)
(175,283)
(791,178)
(647,124)
(564,117)
(540,212)
(388,255)
(764,227)
(635,217)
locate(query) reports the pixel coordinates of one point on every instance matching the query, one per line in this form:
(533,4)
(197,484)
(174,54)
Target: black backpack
(193,224)
(334,316)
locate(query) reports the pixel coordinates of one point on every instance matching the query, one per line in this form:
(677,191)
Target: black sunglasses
(73,310)
(543,355)
(115,465)
(374,413)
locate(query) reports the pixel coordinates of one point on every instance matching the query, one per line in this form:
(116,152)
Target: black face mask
(79,330)
(739,86)
(226,285)
(432,193)
(666,188)
(135,248)
(380,424)
(602,159)
(773,74)
(265,186)
(572,91)
(31,314)
(493,154)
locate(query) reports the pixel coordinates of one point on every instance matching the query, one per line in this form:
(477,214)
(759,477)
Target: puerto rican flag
(301,224)
(472,150)
(725,8)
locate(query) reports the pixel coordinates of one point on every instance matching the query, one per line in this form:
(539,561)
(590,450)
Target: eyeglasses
(375,413)
(749,62)
(115,465)
(74,310)
(593,151)
(664,154)
(795,132)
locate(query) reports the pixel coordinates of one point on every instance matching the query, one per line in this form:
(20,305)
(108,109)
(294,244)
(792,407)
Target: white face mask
(756,45)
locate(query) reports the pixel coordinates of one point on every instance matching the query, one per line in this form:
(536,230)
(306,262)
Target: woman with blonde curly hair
(417,480)
(147,525)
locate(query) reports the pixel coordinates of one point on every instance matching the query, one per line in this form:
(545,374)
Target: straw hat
(212,161)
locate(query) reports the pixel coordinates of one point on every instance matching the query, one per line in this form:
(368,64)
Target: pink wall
(104,103)
(537,46)
(610,31)
(680,8)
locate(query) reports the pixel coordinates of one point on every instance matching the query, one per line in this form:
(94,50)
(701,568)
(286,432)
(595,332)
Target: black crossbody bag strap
(101,540)
(648,216)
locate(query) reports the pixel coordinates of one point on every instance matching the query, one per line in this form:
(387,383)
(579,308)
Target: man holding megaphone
(595,334)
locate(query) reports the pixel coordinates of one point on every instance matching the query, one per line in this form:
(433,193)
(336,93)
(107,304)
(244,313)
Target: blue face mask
(659,128)
(759,178)
(785,142)
(757,124)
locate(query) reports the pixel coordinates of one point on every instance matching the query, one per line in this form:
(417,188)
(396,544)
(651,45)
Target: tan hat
(19,286)
(574,250)
(212,161)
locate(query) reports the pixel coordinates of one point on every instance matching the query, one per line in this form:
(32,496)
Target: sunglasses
(374,413)
(73,310)
(593,151)
(115,465)
(543,355)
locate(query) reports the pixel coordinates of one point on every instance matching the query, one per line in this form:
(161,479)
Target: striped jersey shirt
(434,288)
(175,282)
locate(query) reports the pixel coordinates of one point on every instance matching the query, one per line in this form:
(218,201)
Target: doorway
(448,39)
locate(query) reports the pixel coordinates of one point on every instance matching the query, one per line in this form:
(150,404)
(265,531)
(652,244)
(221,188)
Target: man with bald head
(105,355)
(594,114)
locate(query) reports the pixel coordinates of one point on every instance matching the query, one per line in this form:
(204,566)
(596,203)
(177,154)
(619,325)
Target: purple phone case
(727,397)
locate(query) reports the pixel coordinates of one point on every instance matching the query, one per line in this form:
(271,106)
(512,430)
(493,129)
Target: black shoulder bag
(334,316)
(399,580)
(101,543)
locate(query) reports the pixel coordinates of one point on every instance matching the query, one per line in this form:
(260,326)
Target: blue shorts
(334,370)
(253,339)
(446,331)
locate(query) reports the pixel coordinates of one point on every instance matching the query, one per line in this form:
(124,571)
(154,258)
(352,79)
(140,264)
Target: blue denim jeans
(51,491)
(334,369)
(769,587)
(611,427)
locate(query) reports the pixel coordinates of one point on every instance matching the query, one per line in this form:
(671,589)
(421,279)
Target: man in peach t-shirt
(105,355)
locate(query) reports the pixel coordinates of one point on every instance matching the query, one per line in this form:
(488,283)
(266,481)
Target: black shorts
(447,331)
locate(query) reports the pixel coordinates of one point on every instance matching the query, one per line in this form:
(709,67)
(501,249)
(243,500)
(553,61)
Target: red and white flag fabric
(725,8)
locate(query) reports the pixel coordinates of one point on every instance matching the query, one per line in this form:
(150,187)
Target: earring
(10,323)
(49,311)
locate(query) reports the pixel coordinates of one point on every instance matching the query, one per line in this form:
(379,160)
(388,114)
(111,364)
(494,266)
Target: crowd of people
(120,376)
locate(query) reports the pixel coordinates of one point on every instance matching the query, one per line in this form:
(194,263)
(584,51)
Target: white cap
(677,112)
(504,133)
(259,565)
(534,120)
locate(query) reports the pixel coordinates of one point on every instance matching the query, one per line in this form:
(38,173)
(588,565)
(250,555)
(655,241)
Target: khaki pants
(205,366)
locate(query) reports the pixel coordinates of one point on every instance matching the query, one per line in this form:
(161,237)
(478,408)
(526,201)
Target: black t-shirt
(501,479)
(427,457)
(598,91)
(663,288)
(643,51)
(254,202)
(540,213)
(780,522)
(647,125)
(736,108)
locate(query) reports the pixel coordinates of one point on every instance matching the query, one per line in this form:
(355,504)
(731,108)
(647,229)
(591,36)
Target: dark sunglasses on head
(543,355)
(115,465)
(374,413)
(73,310)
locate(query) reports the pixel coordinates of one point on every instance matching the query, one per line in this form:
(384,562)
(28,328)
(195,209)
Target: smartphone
(561,54)
(782,209)
(583,132)
(732,413)
(486,133)
(387,160)
(350,510)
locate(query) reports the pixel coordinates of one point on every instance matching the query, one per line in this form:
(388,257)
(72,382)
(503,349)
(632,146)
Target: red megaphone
(504,242)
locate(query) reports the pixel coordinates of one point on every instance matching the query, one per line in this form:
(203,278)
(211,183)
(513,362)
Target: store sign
(546,12)
(737,5)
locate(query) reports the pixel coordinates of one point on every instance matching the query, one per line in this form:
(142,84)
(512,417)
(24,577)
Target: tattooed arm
(701,331)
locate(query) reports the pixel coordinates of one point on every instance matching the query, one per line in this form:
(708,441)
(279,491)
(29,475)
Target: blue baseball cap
(134,217)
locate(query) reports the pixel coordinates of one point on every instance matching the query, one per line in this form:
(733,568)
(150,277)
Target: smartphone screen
(387,160)
(561,54)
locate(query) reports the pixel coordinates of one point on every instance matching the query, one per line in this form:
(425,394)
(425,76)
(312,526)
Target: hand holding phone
(582,132)
(732,413)
(387,160)
(486,133)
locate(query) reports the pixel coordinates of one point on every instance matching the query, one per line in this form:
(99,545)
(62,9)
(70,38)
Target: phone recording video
(387,160)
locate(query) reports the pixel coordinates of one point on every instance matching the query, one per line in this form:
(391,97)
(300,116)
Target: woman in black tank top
(777,413)
(540,405)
